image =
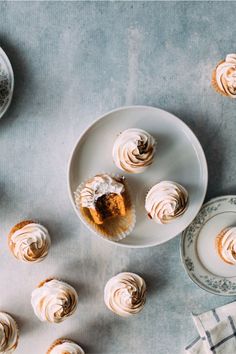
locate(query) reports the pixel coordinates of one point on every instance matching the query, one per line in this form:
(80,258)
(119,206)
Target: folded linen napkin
(217,331)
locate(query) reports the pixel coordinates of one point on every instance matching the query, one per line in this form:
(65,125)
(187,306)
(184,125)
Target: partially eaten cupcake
(105,206)
(226,245)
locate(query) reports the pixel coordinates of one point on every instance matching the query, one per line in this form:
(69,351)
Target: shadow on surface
(94,340)
(22,78)
(25,326)
(77,277)
(209,134)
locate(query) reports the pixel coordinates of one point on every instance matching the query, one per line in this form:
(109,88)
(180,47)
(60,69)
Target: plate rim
(105,115)
(181,246)
(11,75)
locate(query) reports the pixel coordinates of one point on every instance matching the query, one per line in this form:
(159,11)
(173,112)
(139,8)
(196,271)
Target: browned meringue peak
(134,150)
(65,346)
(166,201)
(8,333)
(96,187)
(125,294)
(30,243)
(224,76)
(226,242)
(54,301)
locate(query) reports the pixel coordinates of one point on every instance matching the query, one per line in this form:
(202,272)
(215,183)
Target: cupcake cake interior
(108,206)
(105,205)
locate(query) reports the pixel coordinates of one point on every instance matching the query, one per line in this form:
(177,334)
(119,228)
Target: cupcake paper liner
(115,228)
(214,82)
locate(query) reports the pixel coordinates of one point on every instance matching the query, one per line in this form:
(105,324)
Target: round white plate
(179,157)
(198,250)
(6,82)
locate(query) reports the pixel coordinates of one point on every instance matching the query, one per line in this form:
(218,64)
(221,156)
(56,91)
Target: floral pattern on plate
(6,82)
(196,271)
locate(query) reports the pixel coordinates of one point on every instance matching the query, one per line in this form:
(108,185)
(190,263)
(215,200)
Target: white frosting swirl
(97,187)
(166,201)
(54,301)
(8,333)
(134,150)
(67,347)
(125,294)
(226,76)
(31,243)
(227,240)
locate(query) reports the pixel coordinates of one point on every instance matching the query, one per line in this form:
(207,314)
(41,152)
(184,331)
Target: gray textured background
(73,62)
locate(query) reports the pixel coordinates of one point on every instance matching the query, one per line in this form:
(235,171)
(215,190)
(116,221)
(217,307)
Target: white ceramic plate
(6,82)
(179,158)
(199,253)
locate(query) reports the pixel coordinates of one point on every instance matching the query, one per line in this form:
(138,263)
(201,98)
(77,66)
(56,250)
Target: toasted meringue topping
(8,333)
(227,239)
(134,150)
(67,347)
(125,294)
(166,201)
(95,188)
(226,75)
(31,243)
(54,301)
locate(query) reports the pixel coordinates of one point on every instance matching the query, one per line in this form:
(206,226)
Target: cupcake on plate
(29,241)
(224,76)
(125,294)
(9,333)
(62,346)
(54,301)
(166,201)
(226,245)
(134,150)
(105,206)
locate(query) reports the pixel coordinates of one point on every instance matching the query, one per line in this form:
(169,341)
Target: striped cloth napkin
(217,331)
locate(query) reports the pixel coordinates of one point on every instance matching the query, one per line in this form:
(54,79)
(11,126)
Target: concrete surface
(74,61)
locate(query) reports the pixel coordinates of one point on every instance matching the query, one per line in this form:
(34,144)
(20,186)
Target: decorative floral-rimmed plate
(6,82)
(179,157)
(198,247)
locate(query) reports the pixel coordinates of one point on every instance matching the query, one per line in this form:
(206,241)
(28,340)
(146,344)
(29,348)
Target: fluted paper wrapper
(214,82)
(115,228)
(58,342)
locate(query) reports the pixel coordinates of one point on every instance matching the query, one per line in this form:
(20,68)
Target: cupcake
(9,334)
(62,346)
(134,150)
(54,300)
(226,245)
(125,294)
(166,201)
(224,76)
(105,206)
(29,241)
